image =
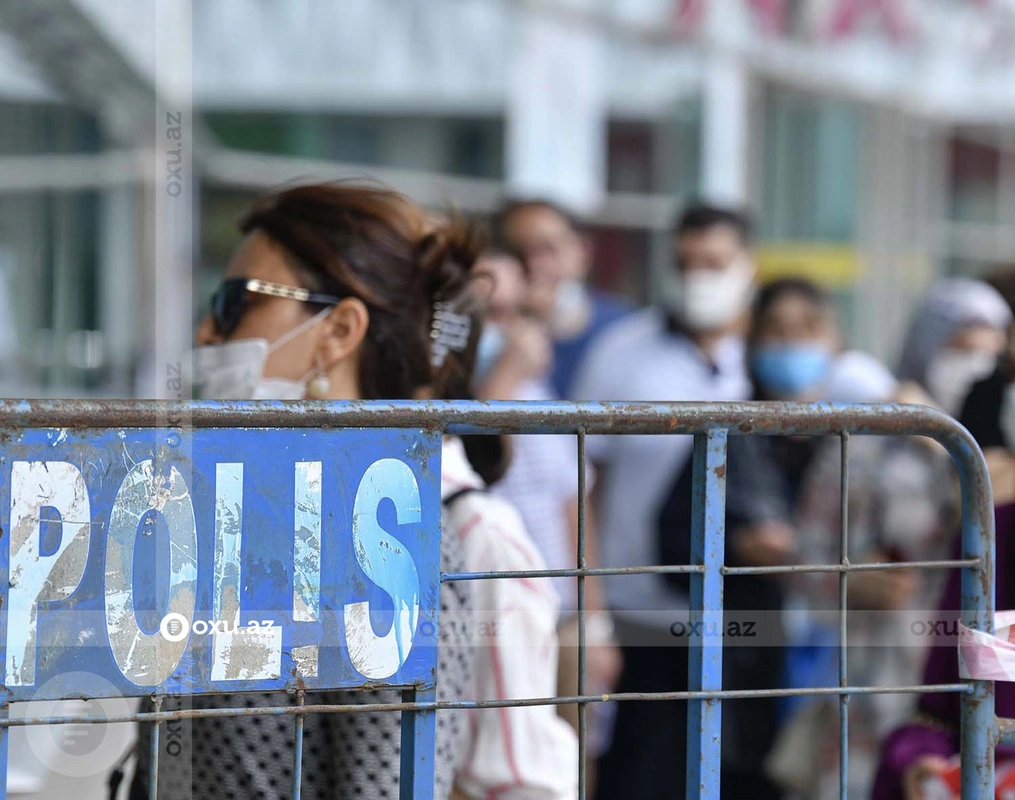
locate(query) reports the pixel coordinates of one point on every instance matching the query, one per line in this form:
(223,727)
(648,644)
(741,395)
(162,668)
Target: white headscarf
(858,377)
(949,306)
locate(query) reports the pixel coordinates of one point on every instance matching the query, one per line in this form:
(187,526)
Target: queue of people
(342,291)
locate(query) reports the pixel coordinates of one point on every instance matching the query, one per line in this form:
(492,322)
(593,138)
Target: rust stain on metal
(301,687)
(720,471)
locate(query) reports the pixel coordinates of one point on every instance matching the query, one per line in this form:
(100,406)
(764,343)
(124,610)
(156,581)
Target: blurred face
(793,320)
(978,339)
(511,337)
(968,356)
(304,341)
(552,249)
(266,317)
(710,286)
(710,250)
(793,344)
(508,289)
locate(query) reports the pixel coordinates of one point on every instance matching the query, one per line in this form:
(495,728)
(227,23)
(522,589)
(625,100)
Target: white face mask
(952,373)
(235,370)
(570,309)
(709,300)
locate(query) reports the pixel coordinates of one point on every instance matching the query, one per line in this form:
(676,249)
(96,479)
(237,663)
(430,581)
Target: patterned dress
(345,755)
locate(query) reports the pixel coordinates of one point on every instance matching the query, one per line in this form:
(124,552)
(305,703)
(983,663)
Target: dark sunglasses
(228,302)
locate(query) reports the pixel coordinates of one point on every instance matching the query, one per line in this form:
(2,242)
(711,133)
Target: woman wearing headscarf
(985,405)
(924,745)
(902,506)
(955,339)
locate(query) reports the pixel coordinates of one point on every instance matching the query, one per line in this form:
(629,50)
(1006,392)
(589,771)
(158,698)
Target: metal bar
(978,725)
(419,744)
(5,711)
(473,416)
(4,740)
(708,525)
(457,705)
(843,577)
(153,776)
(879,567)
(298,750)
(582,566)
(1005,731)
(570,573)
(674,569)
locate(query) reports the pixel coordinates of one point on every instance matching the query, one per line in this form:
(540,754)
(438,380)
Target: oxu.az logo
(175,627)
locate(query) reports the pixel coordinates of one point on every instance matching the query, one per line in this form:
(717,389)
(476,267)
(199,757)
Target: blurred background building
(875,140)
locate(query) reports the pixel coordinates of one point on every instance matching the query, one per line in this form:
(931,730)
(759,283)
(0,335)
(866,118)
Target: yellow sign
(835,266)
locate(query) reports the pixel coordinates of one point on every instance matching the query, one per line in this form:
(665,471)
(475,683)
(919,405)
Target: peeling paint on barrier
(260,558)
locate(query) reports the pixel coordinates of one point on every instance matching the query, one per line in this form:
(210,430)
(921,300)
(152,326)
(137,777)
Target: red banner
(849,13)
(770,15)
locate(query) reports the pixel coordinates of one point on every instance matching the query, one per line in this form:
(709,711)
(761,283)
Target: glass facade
(472,147)
(51,257)
(809,161)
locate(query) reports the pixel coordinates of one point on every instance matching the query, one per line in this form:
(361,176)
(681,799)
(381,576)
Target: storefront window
(975,171)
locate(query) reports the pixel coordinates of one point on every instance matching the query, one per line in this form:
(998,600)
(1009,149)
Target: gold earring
(319,387)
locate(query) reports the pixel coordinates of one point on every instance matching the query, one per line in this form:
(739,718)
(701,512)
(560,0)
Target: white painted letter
(148,659)
(388,564)
(38,579)
(237,654)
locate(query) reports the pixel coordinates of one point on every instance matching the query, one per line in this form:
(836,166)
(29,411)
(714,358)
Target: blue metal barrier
(126,446)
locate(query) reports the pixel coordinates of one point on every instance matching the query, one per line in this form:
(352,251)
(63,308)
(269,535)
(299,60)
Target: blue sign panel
(218,560)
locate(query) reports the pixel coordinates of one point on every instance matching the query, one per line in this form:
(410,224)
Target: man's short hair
(699,217)
(512,206)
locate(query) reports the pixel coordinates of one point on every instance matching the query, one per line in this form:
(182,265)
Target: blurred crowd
(393,302)
(718,335)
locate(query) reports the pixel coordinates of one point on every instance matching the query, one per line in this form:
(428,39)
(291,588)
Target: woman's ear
(342,334)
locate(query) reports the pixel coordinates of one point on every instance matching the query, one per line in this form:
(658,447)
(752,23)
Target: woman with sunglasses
(337,292)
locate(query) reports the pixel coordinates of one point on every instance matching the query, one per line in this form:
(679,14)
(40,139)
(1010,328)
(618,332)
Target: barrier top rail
(497,416)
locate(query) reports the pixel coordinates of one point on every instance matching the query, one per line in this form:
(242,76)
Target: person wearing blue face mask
(791,370)
(794,341)
(514,361)
(792,348)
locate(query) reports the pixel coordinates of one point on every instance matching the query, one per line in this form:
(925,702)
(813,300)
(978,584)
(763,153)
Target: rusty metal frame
(710,424)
